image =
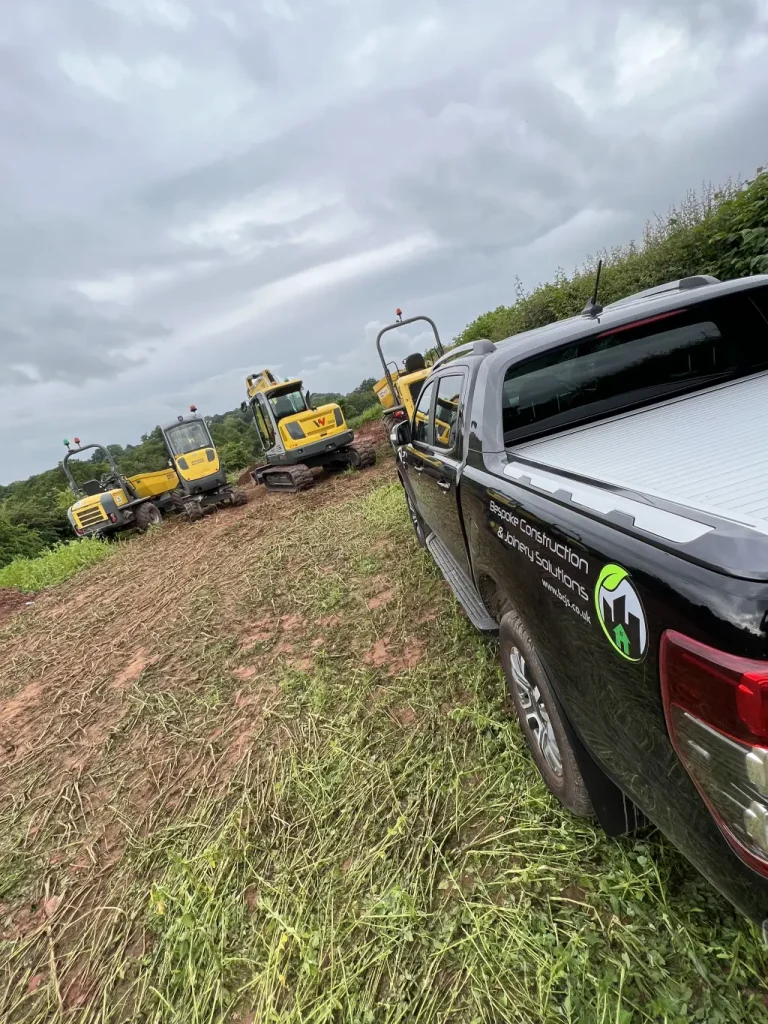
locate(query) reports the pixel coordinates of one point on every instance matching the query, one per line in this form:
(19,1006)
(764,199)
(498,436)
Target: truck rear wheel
(147,515)
(239,497)
(541,717)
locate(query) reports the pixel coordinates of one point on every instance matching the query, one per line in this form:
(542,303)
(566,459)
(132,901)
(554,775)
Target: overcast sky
(195,189)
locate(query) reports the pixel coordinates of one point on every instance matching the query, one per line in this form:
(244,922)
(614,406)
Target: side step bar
(461,586)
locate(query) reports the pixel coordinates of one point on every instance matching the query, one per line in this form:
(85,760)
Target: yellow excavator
(297,437)
(398,390)
(202,480)
(116,502)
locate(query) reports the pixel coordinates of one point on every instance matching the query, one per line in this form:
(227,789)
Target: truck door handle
(419,469)
(445,484)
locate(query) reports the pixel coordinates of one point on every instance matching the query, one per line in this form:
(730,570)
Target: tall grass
(54,566)
(373,412)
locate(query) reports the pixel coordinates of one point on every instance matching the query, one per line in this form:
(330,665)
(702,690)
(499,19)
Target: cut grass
(54,566)
(313,806)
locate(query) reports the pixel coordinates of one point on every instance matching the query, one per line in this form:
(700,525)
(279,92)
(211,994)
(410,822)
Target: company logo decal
(320,421)
(621,613)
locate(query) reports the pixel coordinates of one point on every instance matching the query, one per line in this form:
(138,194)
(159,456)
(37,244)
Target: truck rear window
(624,367)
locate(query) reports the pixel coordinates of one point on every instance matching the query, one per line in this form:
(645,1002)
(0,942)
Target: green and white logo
(621,613)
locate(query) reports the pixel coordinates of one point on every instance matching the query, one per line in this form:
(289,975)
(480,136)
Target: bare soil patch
(12,601)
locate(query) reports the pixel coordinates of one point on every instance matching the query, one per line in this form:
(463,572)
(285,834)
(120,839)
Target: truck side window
(421,429)
(447,410)
(622,367)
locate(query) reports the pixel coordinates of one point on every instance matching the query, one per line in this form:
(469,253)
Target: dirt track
(12,601)
(70,655)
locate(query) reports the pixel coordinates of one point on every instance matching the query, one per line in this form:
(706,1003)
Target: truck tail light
(716,706)
(112,517)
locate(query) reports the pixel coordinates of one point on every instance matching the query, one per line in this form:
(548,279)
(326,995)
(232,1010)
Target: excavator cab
(297,437)
(202,478)
(399,389)
(116,502)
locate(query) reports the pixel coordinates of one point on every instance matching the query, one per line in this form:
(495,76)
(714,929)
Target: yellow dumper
(116,502)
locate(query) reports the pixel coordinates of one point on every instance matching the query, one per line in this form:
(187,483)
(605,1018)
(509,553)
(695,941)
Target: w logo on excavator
(320,421)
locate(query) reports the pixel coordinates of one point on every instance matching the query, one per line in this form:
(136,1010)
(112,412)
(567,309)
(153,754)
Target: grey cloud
(496,138)
(70,342)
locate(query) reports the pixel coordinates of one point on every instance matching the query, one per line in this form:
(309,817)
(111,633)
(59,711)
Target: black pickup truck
(597,492)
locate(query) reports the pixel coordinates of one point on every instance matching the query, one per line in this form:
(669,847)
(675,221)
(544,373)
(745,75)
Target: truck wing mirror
(401,433)
(243,407)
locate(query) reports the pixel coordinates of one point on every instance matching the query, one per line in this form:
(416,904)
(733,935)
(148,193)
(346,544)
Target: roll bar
(393,327)
(85,448)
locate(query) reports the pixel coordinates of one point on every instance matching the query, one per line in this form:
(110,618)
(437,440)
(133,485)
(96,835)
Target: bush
(373,412)
(722,232)
(17,541)
(236,455)
(54,566)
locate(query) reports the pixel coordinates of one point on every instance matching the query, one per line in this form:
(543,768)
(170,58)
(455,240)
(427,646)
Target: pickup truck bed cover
(714,458)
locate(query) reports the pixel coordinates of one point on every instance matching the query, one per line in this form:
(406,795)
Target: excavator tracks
(289,479)
(362,454)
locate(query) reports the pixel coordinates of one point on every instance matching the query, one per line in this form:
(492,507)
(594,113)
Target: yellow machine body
(317,424)
(89,512)
(407,389)
(298,428)
(197,465)
(152,485)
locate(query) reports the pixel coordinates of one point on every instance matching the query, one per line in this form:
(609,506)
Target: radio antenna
(593,307)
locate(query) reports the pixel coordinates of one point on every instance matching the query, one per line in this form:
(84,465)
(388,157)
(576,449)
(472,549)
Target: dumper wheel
(176,503)
(194,510)
(288,478)
(239,497)
(362,454)
(148,515)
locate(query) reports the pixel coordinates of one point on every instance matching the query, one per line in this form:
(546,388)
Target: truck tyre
(540,716)
(147,515)
(239,497)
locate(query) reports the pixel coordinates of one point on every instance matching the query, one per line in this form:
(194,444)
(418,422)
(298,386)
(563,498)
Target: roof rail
(683,285)
(481,347)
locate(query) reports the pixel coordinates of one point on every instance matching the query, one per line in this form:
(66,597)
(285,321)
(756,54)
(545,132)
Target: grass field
(259,768)
(54,566)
